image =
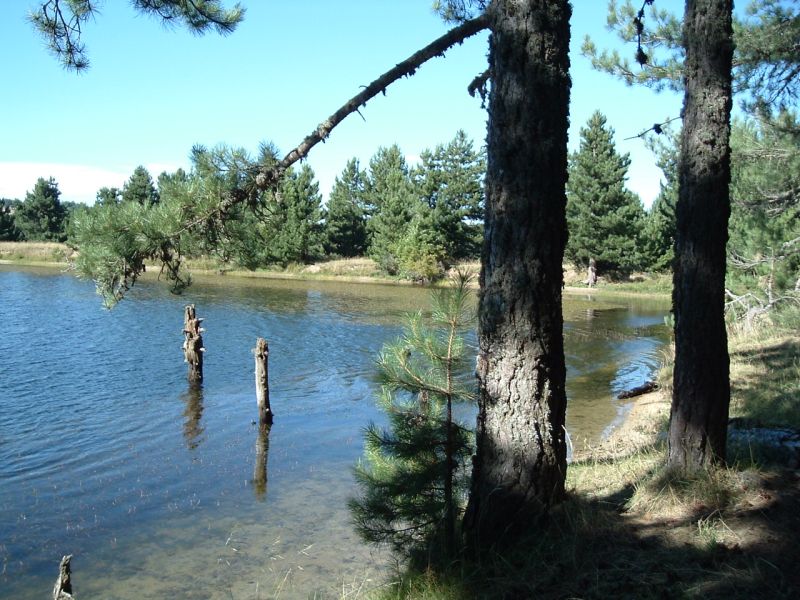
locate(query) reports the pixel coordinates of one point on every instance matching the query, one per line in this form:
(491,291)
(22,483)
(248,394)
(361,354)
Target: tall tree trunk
(701,387)
(520,465)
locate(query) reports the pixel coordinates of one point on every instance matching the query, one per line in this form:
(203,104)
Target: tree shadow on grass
(766,393)
(739,541)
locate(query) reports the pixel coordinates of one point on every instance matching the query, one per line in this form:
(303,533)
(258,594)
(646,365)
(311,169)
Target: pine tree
(345,221)
(8,227)
(449,180)
(107,196)
(294,230)
(414,472)
(140,188)
(41,216)
(602,215)
(764,244)
(391,204)
(657,239)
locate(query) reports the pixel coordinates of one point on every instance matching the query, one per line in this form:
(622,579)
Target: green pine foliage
(420,254)
(603,217)
(449,180)
(115,240)
(345,219)
(766,61)
(657,238)
(413,476)
(108,195)
(391,203)
(764,244)
(294,228)
(8,227)
(41,217)
(61,24)
(140,188)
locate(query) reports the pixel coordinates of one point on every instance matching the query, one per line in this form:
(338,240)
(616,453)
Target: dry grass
(631,528)
(35,252)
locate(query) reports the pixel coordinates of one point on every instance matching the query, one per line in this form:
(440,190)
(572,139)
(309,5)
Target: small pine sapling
(413,477)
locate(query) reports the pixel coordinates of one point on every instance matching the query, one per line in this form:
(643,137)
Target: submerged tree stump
(193,343)
(261,352)
(63,587)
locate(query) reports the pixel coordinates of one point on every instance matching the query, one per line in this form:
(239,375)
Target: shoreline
(639,426)
(314,273)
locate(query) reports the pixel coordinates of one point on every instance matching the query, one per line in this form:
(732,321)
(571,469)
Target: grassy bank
(631,529)
(35,253)
(357,270)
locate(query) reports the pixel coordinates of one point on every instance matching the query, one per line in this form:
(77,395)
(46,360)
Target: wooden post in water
(193,344)
(261,352)
(63,587)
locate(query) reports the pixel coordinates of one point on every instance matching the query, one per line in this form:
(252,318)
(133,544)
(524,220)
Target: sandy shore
(644,419)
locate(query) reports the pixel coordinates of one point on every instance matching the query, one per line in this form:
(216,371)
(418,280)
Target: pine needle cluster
(413,476)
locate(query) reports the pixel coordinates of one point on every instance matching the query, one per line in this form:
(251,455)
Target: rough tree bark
(193,344)
(261,352)
(520,465)
(701,387)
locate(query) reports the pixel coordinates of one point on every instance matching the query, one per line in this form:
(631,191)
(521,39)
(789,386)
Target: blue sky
(153,92)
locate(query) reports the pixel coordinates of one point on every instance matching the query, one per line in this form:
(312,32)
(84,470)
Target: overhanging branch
(404,69)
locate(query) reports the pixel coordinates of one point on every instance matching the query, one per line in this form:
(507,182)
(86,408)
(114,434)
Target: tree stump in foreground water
(261,352)
(63,587)
(193,343)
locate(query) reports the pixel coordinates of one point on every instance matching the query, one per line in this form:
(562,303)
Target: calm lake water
(162,491)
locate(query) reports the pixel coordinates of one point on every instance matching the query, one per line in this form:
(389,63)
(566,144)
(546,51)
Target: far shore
(349,270)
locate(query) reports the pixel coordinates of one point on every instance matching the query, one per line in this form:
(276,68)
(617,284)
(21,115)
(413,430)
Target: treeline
(417,221)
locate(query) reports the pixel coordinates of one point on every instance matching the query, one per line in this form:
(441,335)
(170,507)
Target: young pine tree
(41,217)
(602,215)
(391,204)
(413,476)
(345,221)
(140,187)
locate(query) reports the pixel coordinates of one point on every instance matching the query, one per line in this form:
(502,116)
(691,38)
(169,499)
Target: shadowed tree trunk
(701,387)
(520,464)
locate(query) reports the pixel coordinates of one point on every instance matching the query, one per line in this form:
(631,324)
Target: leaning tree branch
(266,178)
(406,68)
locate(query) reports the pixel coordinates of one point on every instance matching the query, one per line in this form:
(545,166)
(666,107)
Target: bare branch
(406,68)
(656,128)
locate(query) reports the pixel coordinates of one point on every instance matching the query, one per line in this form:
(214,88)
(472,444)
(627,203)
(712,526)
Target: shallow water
(160,490)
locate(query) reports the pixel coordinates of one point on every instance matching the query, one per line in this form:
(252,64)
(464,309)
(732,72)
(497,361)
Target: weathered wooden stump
(63,587)
(193,343)
(591,273)
(262,456)
(261,352)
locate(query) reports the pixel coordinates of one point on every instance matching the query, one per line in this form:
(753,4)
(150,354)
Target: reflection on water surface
(160,489)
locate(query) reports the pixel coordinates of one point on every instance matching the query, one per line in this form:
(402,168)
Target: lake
(160,490)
